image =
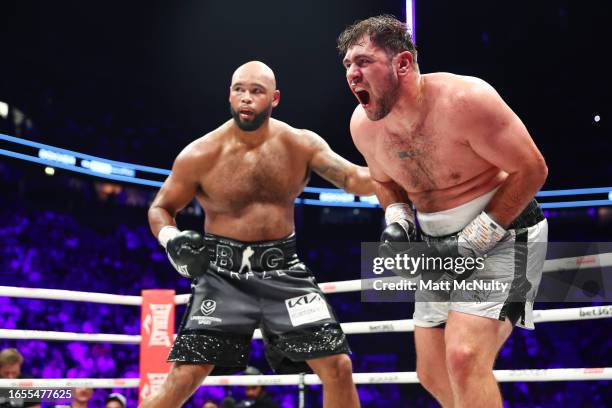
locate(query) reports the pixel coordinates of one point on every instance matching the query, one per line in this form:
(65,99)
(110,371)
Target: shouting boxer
(449,146)
(246,175)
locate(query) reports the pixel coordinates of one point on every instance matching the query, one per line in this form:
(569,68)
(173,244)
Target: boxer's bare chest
(423,158)
(242,176)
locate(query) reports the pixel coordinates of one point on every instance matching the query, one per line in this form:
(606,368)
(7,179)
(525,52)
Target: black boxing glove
(186,251)
(400,230)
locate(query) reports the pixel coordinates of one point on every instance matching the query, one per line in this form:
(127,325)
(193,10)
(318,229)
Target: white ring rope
(551,265)
(356,285)
(407,325)
(68,336)
(381,326)
(60,294)
(410,377)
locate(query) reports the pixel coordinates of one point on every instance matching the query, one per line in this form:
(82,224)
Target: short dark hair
(385,31)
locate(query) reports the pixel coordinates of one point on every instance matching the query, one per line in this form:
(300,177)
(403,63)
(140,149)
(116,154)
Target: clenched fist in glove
(186,251)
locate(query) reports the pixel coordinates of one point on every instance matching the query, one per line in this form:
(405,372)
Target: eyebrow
(253,84)
(356,56)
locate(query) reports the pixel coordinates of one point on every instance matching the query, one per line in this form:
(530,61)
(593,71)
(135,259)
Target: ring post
(157,334)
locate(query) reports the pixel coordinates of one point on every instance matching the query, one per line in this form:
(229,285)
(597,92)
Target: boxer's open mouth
(246,113)
(363,96)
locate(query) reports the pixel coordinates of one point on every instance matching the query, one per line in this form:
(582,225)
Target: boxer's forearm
(158,218)
(389,193)
(360,182)
(515,193)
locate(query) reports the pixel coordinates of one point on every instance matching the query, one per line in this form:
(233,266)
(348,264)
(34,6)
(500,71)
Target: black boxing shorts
(251,285)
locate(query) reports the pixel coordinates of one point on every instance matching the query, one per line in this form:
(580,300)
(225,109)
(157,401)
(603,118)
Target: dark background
(163,69)
(137,81)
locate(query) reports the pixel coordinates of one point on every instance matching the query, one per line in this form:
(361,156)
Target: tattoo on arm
(334,171)
(328,164)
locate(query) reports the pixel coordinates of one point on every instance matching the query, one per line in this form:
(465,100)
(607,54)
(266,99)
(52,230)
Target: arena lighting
(4,108)
(81,163)
(369,199)
(411,18)
(152,176)
(106,168)
(338,197)
(51,155)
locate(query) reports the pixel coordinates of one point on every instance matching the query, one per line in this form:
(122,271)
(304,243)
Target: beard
(253,124)
(385,103)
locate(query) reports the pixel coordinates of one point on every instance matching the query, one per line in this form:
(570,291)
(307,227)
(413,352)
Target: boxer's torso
(248,190)
(430,157)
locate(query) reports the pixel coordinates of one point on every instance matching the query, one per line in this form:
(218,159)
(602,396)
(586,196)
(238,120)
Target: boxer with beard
(449,146)
(246,274)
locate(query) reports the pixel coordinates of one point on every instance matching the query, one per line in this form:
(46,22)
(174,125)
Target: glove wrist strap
(482,234)
(399,211)
(166,234)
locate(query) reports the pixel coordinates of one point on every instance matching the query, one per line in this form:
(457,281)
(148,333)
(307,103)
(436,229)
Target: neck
(253,138)
(408,108)
(78,404)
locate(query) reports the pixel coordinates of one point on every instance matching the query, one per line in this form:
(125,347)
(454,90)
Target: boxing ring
(351,328)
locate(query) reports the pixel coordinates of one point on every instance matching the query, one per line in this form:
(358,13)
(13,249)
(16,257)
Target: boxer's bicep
(330,165)
(175,194)
(500,137)
(177,191)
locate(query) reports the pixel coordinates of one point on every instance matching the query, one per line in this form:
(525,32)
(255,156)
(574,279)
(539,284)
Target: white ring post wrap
(166,234)
(399,211)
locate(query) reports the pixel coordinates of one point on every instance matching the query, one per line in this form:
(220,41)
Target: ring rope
(407,325)
(551,265)
(71,295)
(381,326)
(409,377)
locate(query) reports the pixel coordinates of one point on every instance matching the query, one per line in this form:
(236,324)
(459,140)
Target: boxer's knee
(335,369)
(462,360)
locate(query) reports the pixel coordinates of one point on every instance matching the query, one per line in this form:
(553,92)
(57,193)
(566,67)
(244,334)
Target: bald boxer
(246,175)
(449,146)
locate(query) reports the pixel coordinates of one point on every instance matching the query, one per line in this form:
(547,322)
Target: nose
(246,97)
(353,75)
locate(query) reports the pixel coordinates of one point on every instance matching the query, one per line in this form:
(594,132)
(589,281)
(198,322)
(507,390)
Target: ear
(275,98)
(404,62)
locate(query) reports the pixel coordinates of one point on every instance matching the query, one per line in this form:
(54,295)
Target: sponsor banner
(157,331)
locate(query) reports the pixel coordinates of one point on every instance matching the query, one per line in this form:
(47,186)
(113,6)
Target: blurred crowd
(51,248)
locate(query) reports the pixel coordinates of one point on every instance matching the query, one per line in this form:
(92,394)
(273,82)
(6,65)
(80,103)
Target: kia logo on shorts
(208,306)
(303,300)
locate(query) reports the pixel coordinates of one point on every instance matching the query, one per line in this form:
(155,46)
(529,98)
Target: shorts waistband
(530,216)
(446,222)
(245,257)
